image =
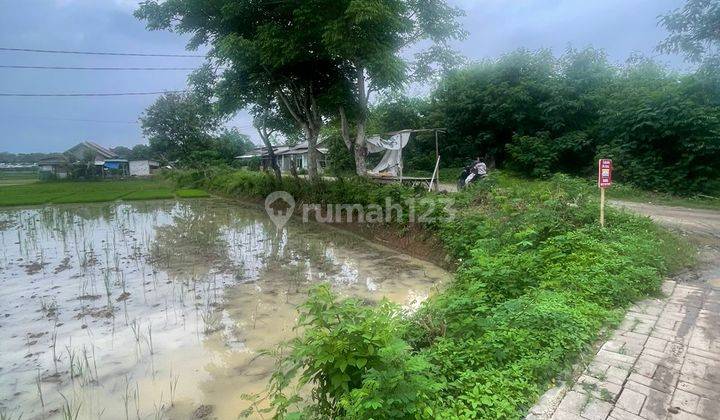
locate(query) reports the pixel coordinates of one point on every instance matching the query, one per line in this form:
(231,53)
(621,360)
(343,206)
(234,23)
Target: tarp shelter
(391,162)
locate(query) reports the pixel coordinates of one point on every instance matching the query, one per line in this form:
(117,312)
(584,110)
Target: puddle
(159,309)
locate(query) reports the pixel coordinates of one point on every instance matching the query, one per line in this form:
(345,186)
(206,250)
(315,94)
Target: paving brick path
(663,362)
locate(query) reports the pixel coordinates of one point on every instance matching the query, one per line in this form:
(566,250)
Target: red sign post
(605,168)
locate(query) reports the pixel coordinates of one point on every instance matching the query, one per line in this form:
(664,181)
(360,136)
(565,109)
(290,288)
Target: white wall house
(143,167)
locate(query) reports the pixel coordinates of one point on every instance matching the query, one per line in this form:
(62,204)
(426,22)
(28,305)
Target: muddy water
(159,309)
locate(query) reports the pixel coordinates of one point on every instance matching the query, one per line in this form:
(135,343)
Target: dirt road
(694,222)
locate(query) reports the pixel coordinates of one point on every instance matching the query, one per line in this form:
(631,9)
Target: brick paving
(663,362)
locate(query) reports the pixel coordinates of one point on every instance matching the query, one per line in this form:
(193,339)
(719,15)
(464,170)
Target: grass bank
(89,191)
(537,281)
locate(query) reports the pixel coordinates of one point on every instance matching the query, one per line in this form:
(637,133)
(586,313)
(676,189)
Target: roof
(262,152)
(54,160)
(302,148)
(75,151)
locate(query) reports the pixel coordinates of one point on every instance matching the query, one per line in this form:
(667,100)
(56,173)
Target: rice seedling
(97,378)
(87,367)
(173,387)
(5,414)
(69,410)
(136,399)
(135,328)
(159,408)
(77,366)
(38,384)
(151,347)
(212,320)
(108,289)
(54,347)
(126,398)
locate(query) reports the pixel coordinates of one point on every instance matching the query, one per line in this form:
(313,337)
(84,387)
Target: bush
(358,365)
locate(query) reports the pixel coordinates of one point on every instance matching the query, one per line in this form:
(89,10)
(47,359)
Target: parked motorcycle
(475,172)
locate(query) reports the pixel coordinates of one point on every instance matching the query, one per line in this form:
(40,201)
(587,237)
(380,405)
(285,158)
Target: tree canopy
(538,114)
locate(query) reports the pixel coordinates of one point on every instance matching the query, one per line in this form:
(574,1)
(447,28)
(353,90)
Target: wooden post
(437,165)
(435,176)
(401,159)
(602,207)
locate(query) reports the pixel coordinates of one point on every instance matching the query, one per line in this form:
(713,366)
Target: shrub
(356,362)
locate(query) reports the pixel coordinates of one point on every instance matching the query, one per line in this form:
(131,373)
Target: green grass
(150,194)
(447,175)
(87,192)
(17,177)
(191,193)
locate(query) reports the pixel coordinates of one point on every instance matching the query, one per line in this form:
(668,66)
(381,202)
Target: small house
(143,167)
(90,151)
(299,155)
(286,156)
(57,166)
(93,159)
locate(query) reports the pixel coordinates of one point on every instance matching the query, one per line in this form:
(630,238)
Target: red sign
(605,168)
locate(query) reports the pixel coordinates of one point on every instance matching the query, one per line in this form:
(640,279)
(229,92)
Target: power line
(100,53)
(41,117)
(96,68)
(65,95)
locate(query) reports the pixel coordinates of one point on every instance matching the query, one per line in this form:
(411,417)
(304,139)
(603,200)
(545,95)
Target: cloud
(33,124)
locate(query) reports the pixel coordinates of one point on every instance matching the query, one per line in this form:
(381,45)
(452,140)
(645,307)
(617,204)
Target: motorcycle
(473,173)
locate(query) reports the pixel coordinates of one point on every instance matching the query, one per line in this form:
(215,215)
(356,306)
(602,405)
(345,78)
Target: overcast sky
(621,27)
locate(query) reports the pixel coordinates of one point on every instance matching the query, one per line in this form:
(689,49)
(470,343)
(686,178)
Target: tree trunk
(293,168)
(312,135)
(360,135)
(271,153)
(305,111)
(361,150)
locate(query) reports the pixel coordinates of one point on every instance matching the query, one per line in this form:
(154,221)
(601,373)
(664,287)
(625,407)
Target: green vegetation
(149,194)
(18,177)
(191,193)
(537,281)
(87,192)
(539,114)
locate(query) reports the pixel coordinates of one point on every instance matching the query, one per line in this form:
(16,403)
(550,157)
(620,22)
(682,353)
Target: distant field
(89,192)
(15,177)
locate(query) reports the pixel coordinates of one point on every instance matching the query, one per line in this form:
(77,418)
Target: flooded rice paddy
(159,309)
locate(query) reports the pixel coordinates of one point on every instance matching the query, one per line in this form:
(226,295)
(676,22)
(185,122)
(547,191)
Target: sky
(32,124)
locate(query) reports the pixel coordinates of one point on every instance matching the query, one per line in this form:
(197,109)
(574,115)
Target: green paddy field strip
(91,192)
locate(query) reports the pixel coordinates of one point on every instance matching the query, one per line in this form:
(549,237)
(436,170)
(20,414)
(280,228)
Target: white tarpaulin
(392,147)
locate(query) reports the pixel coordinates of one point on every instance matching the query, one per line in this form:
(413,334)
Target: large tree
(694,30)
(263,48)
(369,42)
(177,125)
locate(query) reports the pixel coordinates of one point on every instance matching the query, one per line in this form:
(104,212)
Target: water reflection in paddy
(159,309)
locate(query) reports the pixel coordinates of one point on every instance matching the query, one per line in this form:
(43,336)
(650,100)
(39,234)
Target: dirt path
(663,362)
